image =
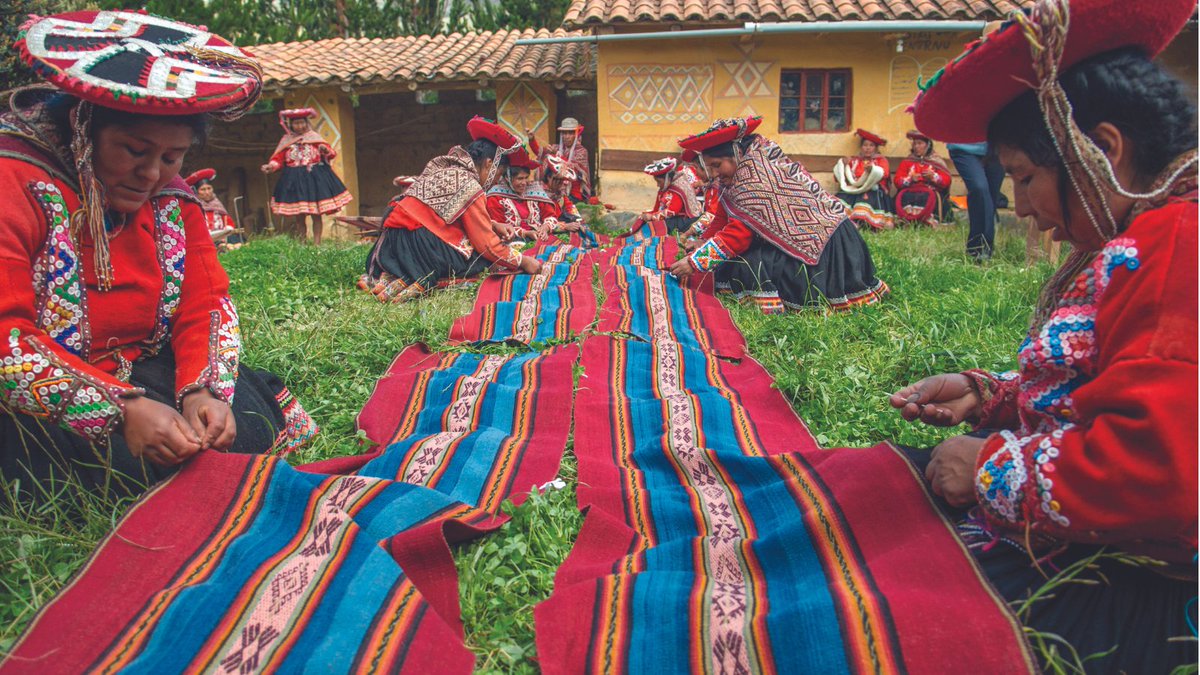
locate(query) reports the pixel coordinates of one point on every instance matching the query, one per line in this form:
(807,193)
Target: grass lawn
(302,319)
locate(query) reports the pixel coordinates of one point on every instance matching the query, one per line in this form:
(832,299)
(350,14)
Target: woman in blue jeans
(982,175)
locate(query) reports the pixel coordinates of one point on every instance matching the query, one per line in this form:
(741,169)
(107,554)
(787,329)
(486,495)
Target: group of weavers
(121,348)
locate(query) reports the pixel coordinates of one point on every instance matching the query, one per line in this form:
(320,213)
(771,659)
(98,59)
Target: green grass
(302,319)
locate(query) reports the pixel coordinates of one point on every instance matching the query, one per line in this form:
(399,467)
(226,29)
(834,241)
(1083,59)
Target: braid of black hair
(1123,87)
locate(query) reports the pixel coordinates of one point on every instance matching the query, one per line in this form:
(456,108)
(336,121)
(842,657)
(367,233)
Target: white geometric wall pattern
(324,123)
(903,76)
(747,78)
(640,93)
(522,109)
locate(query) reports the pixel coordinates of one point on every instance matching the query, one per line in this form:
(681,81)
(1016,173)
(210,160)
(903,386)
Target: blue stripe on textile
(333,634)
(194,614)
(399,507)
(551,304)
(467,469)
(658,644)
(803,621)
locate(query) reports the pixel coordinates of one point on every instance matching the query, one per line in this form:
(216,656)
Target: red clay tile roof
(608,12)
(424,58)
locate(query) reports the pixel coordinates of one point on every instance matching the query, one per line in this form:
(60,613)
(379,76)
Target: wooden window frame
(802,96)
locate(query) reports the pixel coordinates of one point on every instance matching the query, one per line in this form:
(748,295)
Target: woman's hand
(211,419)
(504,231)
(267,168)
(157,432)
(951,470)
(530,265)
(690,244)
(681,268)
(942,400)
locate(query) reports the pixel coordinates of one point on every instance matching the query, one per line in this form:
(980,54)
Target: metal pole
(752,28)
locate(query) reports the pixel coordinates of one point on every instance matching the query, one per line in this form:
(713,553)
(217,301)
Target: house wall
(397,136)
(650,94)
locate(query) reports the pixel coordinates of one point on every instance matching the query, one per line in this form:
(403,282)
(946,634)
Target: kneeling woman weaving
(440,231)
(120,346)
(775,235)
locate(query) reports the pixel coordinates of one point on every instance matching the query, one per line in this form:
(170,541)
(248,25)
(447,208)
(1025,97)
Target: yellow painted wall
(335,123)
(533,106)
(689,82)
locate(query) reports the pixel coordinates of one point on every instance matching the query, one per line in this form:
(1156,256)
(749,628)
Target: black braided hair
(726,149)
(59,107)
(1123,87)
(482,149)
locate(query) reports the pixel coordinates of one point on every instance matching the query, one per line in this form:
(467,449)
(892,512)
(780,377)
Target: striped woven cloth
(556,304)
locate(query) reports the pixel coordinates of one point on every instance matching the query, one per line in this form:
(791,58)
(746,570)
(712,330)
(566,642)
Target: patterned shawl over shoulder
(448,185)
(683,187)
(781,201)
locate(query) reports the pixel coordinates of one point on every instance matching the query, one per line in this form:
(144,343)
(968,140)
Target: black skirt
(405,264)
(1133,608)
(48,459)
(877,197)
(311,190)
(844,277)
(679,224)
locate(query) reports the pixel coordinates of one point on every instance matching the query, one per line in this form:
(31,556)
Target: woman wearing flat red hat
(1092,441)
(675,204)
(308,187)
(440,230)
(776,237)
(220,224)
(120,356)
(863,182)
(923,183)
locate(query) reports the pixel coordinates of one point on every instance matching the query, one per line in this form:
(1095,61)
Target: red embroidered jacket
(302,154)
(858,166)
(667,204)
(68,347)
(724,237)
(911,172)
(1101,424)
(471,233)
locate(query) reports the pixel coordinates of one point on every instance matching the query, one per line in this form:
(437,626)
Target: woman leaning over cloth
(675,204)
(120,351)
(1093,439)
(440,229)
(775,237)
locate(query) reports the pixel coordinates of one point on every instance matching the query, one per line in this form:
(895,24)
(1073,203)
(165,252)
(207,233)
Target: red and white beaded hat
(201,177)
(868,136)
(915,135)
(959,101)
(286,117)
(661,167)
(558,166)
(721,131)
(138,62)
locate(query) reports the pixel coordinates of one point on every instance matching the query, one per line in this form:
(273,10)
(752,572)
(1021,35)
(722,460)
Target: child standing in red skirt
(308,185)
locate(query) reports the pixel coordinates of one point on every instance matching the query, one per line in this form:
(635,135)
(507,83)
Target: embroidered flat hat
(721,131)
(558,166)
(201,177)
(570,124)
(661,167)
(297,114)
(483,128)
(868,136)
(915,135)
(959,101)
(138,62)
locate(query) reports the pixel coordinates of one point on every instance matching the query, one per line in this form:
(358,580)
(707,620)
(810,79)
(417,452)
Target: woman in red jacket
(923,184)
(308,187)
(1091,441)
(675,204)
(863,182)
(120,348)
(439,231)
(776,237)
(514,215)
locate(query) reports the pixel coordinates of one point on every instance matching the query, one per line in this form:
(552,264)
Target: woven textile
(477,428)
(643,302)
(782,202)
(557,303)
(448,184)
(705,551)
(240,563)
